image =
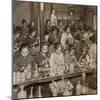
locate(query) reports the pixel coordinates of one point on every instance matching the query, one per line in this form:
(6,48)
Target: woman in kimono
(53,18)
(57,66)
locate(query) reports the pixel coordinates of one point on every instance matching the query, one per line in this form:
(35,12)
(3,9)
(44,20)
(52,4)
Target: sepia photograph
(54,50)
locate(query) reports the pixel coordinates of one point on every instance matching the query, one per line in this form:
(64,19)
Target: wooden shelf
(49,79)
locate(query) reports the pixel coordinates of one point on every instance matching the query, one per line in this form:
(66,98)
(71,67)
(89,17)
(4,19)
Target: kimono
(84,61)
(92,56)
(43,64)
(56,64)
(22,62)
(53,39)
(53,20)
(65,37)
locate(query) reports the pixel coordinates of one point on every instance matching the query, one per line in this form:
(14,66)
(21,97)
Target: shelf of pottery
(57,84)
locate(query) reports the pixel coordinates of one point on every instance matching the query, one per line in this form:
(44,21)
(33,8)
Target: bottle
(39,91)
(84,89)
(31,93)
(18,77)
(23,76)
(78,88)
(71,68)
(22,93)
(36,74)
(83,77)
(14,77)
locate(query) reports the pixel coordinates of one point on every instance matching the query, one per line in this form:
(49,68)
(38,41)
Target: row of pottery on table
(25,75)
(22,93)
(64,86)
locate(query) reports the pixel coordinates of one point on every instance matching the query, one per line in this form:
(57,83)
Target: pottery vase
(39,92)
(22,93)
(18,77)
(23,77)
(36,74)
(78,88)
(31,93)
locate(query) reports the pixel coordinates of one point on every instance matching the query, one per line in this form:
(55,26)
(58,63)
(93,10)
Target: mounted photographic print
(54,50)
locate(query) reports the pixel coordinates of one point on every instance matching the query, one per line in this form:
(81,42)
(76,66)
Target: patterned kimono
(56,64)
(21,62)
(43,64)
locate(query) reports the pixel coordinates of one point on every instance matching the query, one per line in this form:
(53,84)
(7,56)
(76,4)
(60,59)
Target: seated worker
(57,66)
(42,60)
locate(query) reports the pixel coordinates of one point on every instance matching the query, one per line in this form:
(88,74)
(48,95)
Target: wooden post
(41,21)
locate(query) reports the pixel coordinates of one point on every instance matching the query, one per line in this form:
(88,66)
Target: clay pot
(22,93)
(31,93)
(18,74)
(14,77)
(36,74)
(71,68)
(84,89)
(78,88)
(23,77)
(39,92)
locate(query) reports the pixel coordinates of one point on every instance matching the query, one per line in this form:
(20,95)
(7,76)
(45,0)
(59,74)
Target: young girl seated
(84,59)
(43,61)
(57,61)
(73,61)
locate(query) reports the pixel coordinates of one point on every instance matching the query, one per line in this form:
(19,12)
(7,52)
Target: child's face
(60,23)
(17,35)
(68,30)
(55,32)
(45,49)
(48,23)
(67,51)
(72,52)
(33,33)
(16,47)
(25,51)
(24,25)
(58,51)
(70,41)
(32,24)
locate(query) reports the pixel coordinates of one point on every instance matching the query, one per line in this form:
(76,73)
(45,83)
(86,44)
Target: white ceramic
(29,74)
(18,77)
(31,93)
(39,91)
(36,74)
(66,93)
(22,93)
(83,77)
(14,77)
(23,77)
(84,89)
(71,67)
(78,88)
(53,89)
